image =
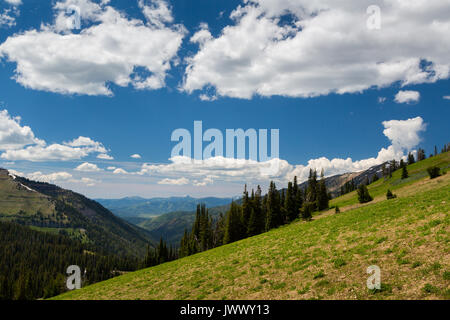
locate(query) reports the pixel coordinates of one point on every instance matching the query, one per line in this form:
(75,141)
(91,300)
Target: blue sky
(250,70)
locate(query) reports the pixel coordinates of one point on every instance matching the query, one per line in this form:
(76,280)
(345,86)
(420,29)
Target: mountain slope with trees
(33,264)
(323,257)
(50,208)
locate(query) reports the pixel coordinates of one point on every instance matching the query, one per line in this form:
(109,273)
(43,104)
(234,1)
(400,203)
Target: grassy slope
(408,238)
(15,198)
(417,171)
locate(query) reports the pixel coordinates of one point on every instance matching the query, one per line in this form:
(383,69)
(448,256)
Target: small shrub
(303,290)
(318,275)
(390,195)
(380,240)
(434,172)
(436,266)
(322,283)
(385,288)
(428,288)
(339,262)
(446,275)
(278,286)
(337,210)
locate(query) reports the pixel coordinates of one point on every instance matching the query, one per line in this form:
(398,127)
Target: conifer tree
(421,155)
(252,229)
(311,191)
(393,166)
(184,245)
(274,217)
(234,226)
(290,203)
(363,194)
(219,231)
(298,197)
(307,210)
(411,159)
(197,225)
(259,212)
(283,211)
(322,194)
(404,172)
(245,207)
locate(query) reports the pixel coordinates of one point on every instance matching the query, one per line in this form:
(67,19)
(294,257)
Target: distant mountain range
(136,207)
(46,207)
(171,225)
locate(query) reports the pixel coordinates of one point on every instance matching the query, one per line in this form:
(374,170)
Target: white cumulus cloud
(50,177)
(119,171)
(407,96)
(88,167)
(109,48)
(178,182)
(13,135)
(104,156)
(19,143)
(14,2)
(307,48)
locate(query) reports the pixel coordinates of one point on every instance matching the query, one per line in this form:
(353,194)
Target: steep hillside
(49,208)
(17,198)
(33,264)
(417,171)
(407,237)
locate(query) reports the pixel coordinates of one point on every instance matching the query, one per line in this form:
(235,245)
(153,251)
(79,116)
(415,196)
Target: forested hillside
(54,209)
(33,264)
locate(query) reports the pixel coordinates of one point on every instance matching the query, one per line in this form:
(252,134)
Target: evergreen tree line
(348,187)
(33,264)
(256,214)
(159,255)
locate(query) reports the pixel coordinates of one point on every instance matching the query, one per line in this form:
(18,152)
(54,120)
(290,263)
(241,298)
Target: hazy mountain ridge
(146,208)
